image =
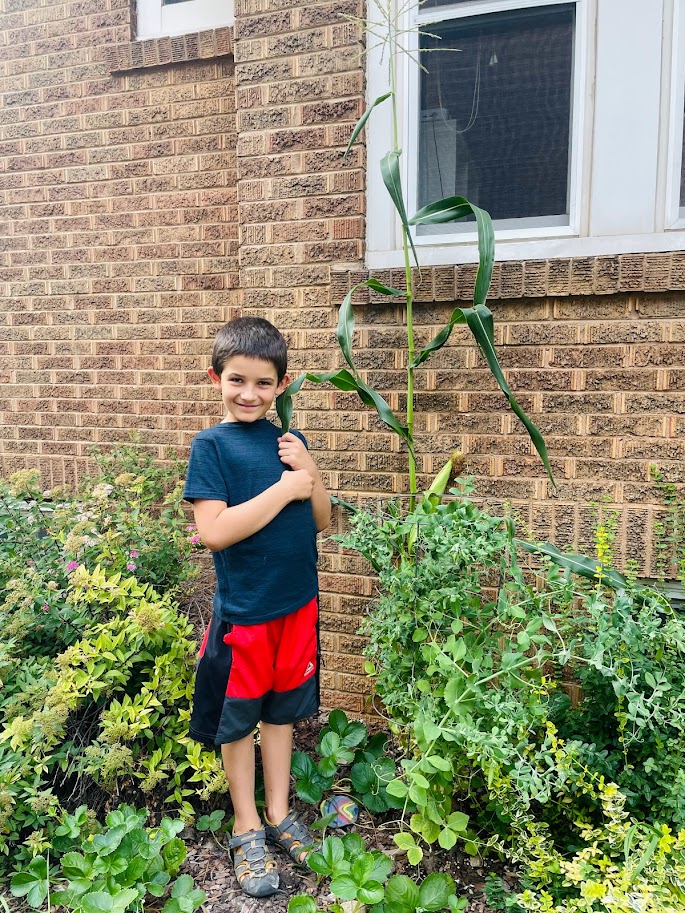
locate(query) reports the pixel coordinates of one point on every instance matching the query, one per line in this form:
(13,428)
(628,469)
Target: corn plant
(479,319)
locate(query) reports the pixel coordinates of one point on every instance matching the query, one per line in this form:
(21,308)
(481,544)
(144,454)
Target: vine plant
(478,317)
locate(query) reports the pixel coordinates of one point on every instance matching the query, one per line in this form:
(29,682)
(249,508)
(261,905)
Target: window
(180,17)
(494,112)
(676,176)
(536,111)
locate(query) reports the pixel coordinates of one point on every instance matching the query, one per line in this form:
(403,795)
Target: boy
(259,502)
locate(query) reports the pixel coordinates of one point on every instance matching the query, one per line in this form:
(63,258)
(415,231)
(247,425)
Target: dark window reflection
(494,124)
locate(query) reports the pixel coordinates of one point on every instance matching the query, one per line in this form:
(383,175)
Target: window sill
(157,52)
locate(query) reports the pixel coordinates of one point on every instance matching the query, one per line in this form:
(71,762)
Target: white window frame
(155,20)
(674,89)
(619,184)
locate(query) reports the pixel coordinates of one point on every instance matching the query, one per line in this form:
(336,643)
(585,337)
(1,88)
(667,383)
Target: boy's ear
(282,384)
(214,377)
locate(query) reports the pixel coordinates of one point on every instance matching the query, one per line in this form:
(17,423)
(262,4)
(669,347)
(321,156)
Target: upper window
(495,104)
(157,18)
(533,110)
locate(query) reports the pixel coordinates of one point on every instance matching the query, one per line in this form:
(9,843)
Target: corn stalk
(478,317)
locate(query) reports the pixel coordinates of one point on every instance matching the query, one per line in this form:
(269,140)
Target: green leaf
(414,855)
(371,892)
(584,566)
(397,788)
(302,765)
(402,891)
(435,891)
(359,126)
(404,841)
(338,721)
(447,838)
(382,867)
(390,172)
(302,903)
(458,821)
(174,854)
(480,322)
(344,887)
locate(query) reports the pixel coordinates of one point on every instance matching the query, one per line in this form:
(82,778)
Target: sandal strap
(247,837)
(291,834)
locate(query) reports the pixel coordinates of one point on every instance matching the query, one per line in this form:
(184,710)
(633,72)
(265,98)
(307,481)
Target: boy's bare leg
(276,743)
(239,766)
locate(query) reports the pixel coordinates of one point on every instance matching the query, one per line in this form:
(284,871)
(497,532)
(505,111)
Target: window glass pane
(494,124)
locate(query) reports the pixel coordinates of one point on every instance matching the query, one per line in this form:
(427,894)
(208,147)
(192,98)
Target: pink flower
(190,528)
(133,553)
(194,539)
(72,566)
(131,566)
(46,607)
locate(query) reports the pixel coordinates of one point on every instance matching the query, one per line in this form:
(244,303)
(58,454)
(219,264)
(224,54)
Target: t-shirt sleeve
(301,437)
(204,478)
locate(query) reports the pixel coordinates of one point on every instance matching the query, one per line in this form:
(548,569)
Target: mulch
(209,863)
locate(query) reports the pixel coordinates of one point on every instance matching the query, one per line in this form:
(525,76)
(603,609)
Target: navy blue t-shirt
(273,571)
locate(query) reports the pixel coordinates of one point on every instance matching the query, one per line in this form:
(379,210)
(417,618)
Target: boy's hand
(298,484)
(293,453)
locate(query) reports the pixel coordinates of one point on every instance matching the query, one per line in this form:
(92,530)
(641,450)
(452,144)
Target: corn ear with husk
(438,487)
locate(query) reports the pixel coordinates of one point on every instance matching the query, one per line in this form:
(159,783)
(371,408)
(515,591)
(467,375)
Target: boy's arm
(220,526)
(293,452)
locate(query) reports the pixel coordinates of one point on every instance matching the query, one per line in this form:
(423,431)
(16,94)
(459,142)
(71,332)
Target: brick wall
(140,211)
(119,232)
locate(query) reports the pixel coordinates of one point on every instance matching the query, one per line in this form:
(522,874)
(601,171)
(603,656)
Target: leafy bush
(472,656)
(96,661)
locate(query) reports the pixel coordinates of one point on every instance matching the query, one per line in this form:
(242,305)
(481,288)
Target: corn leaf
(584,566)
(359,126)
(345,330)
(390,172)
(343,380)
(480,322)
(448,210)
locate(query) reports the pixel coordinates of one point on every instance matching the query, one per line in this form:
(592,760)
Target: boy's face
(248,387)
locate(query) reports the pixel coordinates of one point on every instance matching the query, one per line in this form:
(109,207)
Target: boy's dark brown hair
(253,337)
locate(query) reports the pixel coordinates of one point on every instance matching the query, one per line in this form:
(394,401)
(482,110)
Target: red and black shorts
(248,673)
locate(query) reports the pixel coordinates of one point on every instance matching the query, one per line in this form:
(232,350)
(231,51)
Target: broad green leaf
(359,126)
(414,855)
(371,892)
(302,765)
(447,838)
(458,821)
(344,887)
(382,867)
(302,903)
(435,890)
(362,867)
(404,841)
(354,845)
(402,891)
(390,172)
(337,721)
(397,788)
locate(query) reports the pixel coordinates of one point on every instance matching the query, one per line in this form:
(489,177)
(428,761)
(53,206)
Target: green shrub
(96,661)
(472,656)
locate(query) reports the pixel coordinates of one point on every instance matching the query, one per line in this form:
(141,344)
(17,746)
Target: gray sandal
(291,835)
(254,866)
